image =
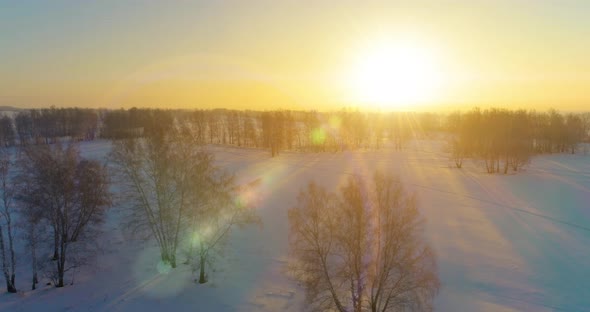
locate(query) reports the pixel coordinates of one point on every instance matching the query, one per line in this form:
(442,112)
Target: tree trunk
(35,281)
(12,256)
(164,255)
(202,278)
(12,282)
(61,264)
(10,286)
(506,163)
(173,260)
(60,273)
(60,280)
(168,257)
(8,276)
(56,243)
(34,267)
(489,165)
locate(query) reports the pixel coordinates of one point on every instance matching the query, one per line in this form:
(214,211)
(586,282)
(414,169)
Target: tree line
(37,126)
(280,130)
(507,139)
(308,131)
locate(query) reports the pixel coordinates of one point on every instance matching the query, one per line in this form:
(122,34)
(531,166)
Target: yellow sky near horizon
(293,55)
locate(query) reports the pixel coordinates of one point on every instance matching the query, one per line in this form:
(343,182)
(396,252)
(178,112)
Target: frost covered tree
(72,194)
(6,225)
(362,250)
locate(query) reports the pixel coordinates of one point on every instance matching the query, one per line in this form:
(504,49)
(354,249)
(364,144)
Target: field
(517,242)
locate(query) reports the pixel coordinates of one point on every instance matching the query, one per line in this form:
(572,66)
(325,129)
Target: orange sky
(288,54)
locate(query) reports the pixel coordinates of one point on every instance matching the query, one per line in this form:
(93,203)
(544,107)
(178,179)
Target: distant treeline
(36,126)
(498,136)
(506,139)
(277,130)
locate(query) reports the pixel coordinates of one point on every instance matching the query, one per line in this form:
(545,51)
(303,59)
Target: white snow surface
(517,242)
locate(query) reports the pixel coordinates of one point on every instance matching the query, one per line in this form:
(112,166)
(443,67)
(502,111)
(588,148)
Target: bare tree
(7,133)
(72,192)
(33,232)
(150,169)
(160,171)
(199,125)
(24,127)
(313,242)
(400,129)
(217,207)
(362,250)
(494,136)
(273,131)
(213,126)
(250,131)
(178,192)
(7,198)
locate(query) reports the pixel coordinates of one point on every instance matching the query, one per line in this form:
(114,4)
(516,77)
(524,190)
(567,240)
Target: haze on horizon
(295,54)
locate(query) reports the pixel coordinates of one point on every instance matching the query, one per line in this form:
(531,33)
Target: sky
(292,54)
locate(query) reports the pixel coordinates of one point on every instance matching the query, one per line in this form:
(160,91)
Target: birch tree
(73,194)
(178,195)
(217,208)
(6,224)
(159,172)
(362,250)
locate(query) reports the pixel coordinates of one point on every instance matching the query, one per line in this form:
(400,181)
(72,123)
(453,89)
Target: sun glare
(397,75)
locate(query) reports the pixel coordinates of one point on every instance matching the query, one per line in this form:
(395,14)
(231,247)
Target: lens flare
(163,267)
(335,122)
(318,136)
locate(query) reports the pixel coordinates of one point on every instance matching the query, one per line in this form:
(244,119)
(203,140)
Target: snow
(517,242)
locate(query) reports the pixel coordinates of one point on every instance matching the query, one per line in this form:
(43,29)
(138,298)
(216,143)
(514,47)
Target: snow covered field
(519,242)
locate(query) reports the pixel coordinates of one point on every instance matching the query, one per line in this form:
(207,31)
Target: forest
(502,138)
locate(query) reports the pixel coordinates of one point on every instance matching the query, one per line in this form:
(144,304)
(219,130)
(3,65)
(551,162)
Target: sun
(398,75)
